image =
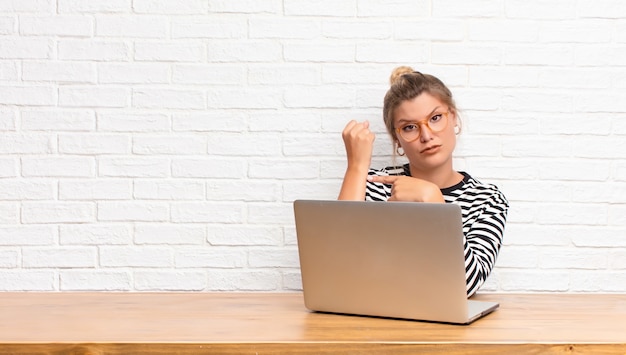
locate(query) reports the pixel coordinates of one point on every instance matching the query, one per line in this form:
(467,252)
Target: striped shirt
(484,210)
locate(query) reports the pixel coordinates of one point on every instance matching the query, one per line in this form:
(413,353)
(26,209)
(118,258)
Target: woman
(422,119)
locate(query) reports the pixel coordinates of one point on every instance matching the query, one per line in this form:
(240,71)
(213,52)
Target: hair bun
(398,72)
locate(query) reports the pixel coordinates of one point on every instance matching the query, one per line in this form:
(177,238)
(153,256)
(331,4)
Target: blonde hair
(407,84)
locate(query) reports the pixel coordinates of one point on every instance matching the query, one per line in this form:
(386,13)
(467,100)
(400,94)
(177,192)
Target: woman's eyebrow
(402,120)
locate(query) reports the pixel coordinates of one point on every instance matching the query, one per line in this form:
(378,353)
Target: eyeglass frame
(423,122)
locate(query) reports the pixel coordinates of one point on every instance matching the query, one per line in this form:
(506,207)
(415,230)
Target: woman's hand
(359,142)
(406,188)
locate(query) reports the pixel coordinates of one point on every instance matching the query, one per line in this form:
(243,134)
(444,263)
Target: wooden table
(270,323)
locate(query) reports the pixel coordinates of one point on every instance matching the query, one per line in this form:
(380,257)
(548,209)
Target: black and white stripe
(484,209)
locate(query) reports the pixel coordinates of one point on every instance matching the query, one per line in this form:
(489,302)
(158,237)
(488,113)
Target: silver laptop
(385,259)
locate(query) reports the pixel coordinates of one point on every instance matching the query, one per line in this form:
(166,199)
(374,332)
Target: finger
(382,179)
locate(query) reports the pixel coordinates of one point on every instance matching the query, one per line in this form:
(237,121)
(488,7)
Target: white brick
(520,169)
(274,258)
(80,6)
(58,257)
(175,51)
(393,8)
(537,236)
(132,26)
(265,144)
(93,50)
(25,48)
(168,99)
(572,214)
(500,77)
(437,29)
(211,258)
(611,9)
(27,280)
(283,74)
(146,256)
(7,25)
(326,190)
(27,95)
(325,52)
(244,98)
(292,281)
(242,190)
(169,190)
(58,212)
(617,259)
(95,189)
(598,192)
(170,280)
(27,6)
(540,147)
(133,211)
(534,281)
(270,213)
(577,124)
(471,8)
(26,190)
(95,280)
(365,30)
(600,147)
(95,234)
(539,55)
(58,167)
(214,28)
(578,258)
(320,8)
(9,212)
(208,168)
(617,215)
(319,96)
(242,235)
(134,167)
(532,191)
(592,237)
(74,26)
(285,121)
(191,7)
(313,145)
(389,52)
(283,169)
(244,51)
(58,120)
(593,281)
(8,167)
(133,73)
(518,257)
(94,144)
(94,96)
(573,31)
(9,258)
(466,54)
(284,28)
(8,71)
(534,101)
(540,10)
(27,235)
(564,170)
(133,122)
(503,30)
(207,212)
(499,123)
(170,234)
(246,6)
(244,280)
(208,74)
(169,145)
(209,121)
(599,55)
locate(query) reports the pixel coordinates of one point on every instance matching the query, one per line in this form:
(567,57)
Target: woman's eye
(409,127)
(435,118)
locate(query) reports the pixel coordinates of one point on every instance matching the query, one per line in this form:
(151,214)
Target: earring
(398,147)
(457,129)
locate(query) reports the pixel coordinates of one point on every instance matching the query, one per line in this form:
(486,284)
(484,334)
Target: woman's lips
(430,150)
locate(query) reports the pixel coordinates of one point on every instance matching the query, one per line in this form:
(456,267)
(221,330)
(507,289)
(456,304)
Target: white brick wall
(153,145)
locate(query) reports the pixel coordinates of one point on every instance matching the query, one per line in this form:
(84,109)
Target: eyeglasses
(411,131)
